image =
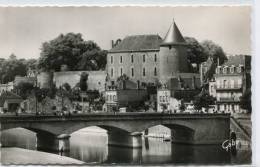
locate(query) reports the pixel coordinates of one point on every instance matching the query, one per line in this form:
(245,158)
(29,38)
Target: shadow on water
(201,154)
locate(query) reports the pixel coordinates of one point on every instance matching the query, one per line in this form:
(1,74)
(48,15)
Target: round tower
(173,54)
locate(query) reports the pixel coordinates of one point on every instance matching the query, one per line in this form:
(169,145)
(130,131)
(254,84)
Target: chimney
(112,44)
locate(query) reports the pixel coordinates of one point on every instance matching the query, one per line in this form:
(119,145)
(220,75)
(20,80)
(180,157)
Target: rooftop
(237,60)
(173,36)
(8,95)
(138,43)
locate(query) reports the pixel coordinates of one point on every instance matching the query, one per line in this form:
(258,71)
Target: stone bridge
(124,129)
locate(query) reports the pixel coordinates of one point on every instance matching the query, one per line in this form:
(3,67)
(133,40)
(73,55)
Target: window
(239,82)
(155,58)
(239,69)
(121,71)
(112,72)
(132,72)
(132,58)
(155,71)
(218,84)
(225,70)
(163,99)
(111,59)
(160,98)
(166,99)
(143,58)
(143,71)
(232,69)
(232,83)
(114,98)
(225,84)
(121,59)
(212,89)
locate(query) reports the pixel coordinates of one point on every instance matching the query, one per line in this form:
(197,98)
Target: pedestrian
(61,151)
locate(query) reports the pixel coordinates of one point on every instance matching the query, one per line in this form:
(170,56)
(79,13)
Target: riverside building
(231,80)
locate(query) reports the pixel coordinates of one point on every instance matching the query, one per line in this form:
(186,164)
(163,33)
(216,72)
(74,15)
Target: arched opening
(154,144)
(159,142)
(91,144)
(18,137)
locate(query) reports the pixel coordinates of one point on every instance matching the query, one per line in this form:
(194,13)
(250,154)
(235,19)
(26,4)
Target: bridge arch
(35,129)
(108,127)
(181,131)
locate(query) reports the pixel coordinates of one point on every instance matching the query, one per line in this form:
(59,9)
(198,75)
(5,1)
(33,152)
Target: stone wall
(96,79)
(44,79)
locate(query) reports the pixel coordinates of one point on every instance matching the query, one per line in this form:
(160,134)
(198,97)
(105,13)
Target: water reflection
(92,148)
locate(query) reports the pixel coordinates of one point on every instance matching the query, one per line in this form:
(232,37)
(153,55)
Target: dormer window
(224,70)
(232,69)
(239,69)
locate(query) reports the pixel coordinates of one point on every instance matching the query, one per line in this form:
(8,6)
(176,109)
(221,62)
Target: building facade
(137,57)
(231,81)
(117,98)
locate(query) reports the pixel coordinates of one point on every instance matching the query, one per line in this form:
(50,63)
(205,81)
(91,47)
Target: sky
(24,29)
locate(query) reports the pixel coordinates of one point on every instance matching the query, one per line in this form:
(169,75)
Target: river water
(91,146)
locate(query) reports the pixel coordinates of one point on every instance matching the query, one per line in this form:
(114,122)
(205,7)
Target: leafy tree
(31,64)
(71,50)
(10,68)
(195,51)
(214,51)
(24,89)
(203,100)
(245,100)
(66,86)
(83,81)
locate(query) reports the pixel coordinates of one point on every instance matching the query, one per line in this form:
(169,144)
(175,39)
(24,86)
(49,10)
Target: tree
(203,100)
(24,89)
(245,100)
(31,64)
(83,81)
(12,67)
(66,86)
(195,51)
(214,51)
(71,50)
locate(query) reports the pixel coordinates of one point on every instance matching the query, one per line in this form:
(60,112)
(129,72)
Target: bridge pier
(123,139)
(53,142)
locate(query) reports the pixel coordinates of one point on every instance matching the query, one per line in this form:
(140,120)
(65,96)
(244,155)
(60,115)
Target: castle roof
(173,36)
(138,43)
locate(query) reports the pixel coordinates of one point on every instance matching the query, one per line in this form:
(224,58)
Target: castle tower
(173,54)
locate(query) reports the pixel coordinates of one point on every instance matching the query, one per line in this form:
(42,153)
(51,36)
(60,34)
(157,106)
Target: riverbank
(19,156)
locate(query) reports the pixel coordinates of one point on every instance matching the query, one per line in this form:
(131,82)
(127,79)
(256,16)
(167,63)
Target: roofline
(174,44)
(130,51)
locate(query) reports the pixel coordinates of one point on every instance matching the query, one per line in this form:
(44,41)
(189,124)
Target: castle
(151,59)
